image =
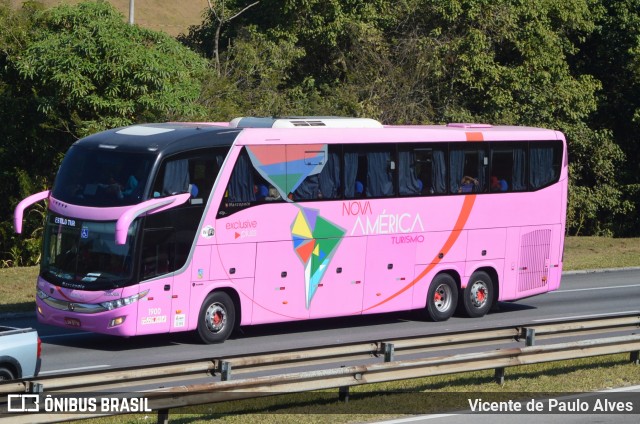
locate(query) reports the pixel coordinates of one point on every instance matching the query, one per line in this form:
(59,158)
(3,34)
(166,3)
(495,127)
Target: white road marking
(91,367)
(53,336)
(418,418)
(585,316)
(595,288)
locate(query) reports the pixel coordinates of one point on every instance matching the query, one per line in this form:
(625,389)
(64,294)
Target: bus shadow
(386,321)
(11,309)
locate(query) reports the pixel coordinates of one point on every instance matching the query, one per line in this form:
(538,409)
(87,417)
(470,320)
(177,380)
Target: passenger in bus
(468,184)
(114,188)
(273,194)
(359,189)
(499,184)
(261,191)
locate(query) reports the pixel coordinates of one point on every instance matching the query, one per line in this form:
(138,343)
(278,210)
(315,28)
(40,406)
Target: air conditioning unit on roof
(304,122)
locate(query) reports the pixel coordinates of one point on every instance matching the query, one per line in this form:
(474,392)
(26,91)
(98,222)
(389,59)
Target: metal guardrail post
(389,351)
(343,392)
(499,376)
(225,371)
(635,357)
(163,416)
(530,336)
(35,387)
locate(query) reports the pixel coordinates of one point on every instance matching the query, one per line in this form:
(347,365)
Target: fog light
(116,321)
(40,311)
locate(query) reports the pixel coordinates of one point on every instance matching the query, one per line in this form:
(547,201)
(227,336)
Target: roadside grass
(437,394)
(18,289)
(17,285)
(600,252)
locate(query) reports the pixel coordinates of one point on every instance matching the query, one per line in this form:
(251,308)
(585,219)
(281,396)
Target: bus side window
(353,166)
(326,183)
(241,184)
(508,167)
(174,180)
(467,168)
(380,169)
(544,163)
(422,169)
(371,166)
(411,173)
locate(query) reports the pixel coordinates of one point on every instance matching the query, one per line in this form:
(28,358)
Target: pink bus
(208,226)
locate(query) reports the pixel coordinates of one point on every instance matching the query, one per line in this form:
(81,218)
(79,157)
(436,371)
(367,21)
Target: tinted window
(369,170)
(468,165)
(508,167)
(102,177)
(544,163)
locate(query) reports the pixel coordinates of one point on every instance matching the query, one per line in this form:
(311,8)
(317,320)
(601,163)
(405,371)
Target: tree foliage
(70,71)
(88,67)
(428,61)
(572,66)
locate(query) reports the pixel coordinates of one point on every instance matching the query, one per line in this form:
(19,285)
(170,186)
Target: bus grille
(534,260)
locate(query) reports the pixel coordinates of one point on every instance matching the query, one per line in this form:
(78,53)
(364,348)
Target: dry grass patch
(171,16)
(600,252)
(18,289)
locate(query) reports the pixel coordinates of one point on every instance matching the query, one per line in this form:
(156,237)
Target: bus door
(157,256)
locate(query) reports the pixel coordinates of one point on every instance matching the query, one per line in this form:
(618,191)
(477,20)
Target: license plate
(72,322)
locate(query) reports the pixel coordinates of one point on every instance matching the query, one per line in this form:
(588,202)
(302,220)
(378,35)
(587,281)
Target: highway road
(581,295)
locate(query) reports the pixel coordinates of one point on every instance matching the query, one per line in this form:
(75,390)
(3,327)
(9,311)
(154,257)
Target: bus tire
(477,297)
(217,318)
(6,374)
(442,298)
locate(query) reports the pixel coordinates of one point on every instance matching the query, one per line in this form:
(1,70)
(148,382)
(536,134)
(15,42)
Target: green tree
(612,54)
(71,71)
(89,70)
(425,61)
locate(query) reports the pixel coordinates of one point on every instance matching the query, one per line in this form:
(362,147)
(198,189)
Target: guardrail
(341,376)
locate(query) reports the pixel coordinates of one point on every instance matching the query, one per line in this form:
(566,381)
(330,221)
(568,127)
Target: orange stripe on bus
(467,206)
(475,136)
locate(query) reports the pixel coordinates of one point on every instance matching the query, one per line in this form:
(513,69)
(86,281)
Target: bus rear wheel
(217,318)
(442,298)
(477,297)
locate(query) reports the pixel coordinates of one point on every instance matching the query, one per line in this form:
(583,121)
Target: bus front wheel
(217,318)
(477,297)
(442,298)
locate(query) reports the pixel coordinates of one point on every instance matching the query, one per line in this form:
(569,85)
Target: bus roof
(163,138)
(168,138)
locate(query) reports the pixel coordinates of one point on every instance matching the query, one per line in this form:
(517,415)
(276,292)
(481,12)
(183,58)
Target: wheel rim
(442,297)
(216,317)
(479,294)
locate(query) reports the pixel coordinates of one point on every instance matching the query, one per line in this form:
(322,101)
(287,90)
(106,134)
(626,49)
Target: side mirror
(148,207)
(18,213)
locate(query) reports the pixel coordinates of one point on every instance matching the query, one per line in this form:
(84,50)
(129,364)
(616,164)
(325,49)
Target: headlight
(42,294)
(119,303)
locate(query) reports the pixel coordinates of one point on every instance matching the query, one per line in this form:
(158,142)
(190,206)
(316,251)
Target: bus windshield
(102,177)
(83,254)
